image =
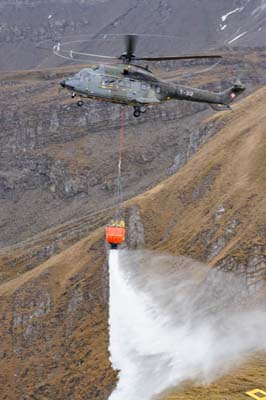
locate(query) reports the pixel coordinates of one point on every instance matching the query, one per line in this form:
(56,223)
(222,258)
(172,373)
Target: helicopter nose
(67,84)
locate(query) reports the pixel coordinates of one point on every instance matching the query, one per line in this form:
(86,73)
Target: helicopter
(130,84)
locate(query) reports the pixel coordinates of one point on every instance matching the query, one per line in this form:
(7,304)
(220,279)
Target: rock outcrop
(54,313)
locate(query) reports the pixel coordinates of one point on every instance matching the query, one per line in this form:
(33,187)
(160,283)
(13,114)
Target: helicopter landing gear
(143,109)
(73,95)
(138,110)
(80,103)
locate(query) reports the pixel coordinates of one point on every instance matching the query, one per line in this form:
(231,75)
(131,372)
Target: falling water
(173,319)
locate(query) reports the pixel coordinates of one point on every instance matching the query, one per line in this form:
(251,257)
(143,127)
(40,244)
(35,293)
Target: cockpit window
(107,81)
(83,74)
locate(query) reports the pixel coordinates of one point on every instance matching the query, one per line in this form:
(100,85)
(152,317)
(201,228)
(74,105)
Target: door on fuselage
(125,90)
(107,86)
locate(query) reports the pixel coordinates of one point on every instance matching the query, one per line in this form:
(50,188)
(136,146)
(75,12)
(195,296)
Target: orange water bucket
(115,235)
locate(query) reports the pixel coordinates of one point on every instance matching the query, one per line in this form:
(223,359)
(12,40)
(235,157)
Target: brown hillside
(214,210)
(184,213)
(59,161)
(54,316)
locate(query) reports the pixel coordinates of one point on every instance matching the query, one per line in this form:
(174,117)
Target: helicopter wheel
(137,112)
(143,109)
(80,103)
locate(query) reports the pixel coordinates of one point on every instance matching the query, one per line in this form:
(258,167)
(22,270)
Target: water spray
(174,320)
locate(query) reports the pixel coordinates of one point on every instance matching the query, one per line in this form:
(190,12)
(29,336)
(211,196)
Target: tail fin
(230,94)
(228,97)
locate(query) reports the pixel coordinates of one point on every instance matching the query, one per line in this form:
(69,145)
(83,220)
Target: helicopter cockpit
(83,74)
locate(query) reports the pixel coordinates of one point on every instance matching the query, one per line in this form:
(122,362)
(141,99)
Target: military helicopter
(130,84)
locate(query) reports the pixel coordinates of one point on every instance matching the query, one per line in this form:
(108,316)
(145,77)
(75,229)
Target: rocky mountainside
(193,181)
(195,25)
(54,312)
(59,161)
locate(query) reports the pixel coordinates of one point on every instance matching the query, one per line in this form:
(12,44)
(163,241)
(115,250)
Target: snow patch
(224,17)
(237,37)
(223,27)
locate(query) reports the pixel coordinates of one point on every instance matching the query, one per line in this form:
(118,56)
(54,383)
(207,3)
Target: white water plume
(172,320)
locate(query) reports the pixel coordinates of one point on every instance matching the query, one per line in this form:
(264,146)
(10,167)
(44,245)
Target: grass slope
(54,317)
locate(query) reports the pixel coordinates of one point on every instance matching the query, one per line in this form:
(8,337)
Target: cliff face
(54,313)
(55,325)
(58,169)
(59,161)
(195,25)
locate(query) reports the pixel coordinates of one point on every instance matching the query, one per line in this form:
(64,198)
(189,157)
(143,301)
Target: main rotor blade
(188,57)
(86,54)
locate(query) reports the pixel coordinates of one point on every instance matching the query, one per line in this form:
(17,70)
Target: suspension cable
(121,142)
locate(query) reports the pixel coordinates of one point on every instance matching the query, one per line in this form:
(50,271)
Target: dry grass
(235,159)
(178,213)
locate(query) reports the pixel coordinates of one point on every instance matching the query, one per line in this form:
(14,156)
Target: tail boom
(220,101)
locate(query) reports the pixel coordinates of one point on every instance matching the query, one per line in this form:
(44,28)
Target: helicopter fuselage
(136,86)
(129,86)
